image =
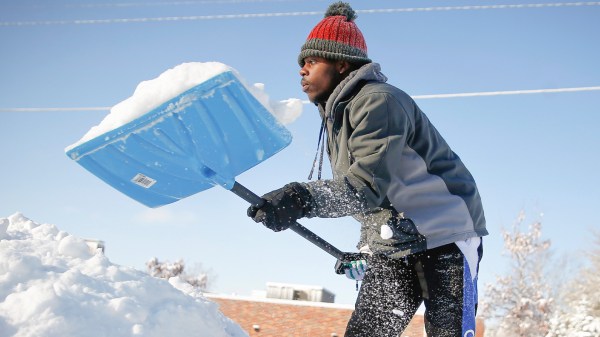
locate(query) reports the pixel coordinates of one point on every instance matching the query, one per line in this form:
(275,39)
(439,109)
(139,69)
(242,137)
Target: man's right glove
(282,207)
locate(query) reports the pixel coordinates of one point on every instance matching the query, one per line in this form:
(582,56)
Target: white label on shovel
(143,180)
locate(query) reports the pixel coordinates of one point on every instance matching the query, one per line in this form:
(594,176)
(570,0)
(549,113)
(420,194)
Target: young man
(419,208)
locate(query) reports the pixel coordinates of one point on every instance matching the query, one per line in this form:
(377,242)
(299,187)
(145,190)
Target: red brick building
(271,317)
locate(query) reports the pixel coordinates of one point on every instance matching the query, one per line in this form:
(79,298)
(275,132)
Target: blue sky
(531,152)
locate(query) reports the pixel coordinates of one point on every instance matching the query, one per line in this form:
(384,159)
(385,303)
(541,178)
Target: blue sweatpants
(443,278)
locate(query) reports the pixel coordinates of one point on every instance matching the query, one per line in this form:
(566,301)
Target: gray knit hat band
(332,50)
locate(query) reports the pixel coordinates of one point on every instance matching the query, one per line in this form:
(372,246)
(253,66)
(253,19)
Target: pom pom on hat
(336,37)
(341,9)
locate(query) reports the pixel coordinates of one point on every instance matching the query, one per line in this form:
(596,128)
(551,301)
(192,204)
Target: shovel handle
(257,201)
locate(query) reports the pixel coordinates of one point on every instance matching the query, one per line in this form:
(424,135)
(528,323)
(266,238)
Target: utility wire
(107,108)
(497,93)
(286,14)
(174,3)
(142,4)
(416,97)
(477,7)
(511,92)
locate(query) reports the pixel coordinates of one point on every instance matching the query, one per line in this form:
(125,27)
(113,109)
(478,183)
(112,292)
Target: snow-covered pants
(393,289)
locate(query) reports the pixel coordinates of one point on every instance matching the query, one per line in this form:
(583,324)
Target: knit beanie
(336,37)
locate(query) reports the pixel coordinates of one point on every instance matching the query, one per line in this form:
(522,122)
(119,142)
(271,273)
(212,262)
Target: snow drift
(53,284)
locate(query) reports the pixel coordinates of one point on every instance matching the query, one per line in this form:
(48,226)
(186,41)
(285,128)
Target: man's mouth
(304,85)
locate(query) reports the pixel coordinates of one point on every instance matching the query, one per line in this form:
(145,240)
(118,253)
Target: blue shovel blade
(204,137)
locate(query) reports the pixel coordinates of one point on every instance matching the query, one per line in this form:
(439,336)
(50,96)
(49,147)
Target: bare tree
(521,302)
(580,314)
(167,270)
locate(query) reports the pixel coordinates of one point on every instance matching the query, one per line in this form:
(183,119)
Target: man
(419,208)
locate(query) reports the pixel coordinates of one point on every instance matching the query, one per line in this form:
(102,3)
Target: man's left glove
(355,270)
(282,207)
(354,265)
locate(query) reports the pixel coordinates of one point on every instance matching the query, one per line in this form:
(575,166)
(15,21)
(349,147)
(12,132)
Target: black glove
(282,207)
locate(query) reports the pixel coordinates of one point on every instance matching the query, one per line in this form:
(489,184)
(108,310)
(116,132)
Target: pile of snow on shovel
(175,81)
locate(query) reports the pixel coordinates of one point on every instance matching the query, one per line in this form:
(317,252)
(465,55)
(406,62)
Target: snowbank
(51,284)
(152,93)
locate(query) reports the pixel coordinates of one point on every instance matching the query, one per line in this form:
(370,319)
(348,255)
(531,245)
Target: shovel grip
(257,201)
(244,193)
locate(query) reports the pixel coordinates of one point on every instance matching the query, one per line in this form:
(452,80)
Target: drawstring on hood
(321,144)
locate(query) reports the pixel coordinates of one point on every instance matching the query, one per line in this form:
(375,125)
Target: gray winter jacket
(393,171)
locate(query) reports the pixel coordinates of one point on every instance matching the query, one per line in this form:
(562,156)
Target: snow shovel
(203,137)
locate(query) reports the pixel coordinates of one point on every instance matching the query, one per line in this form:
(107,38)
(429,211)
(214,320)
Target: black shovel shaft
(255,200)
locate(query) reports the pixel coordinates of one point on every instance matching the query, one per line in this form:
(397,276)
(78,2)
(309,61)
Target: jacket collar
(369,72)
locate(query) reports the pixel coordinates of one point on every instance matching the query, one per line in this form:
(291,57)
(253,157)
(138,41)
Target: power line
(287,14)
(158,19)
(416,97)
(140,4)
(54,109)
(498,93)
(173,3)
(511,92)
(477,7)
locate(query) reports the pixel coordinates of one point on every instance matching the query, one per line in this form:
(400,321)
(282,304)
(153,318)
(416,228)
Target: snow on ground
(52,284)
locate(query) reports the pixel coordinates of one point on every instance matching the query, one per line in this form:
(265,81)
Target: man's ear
(343,66)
